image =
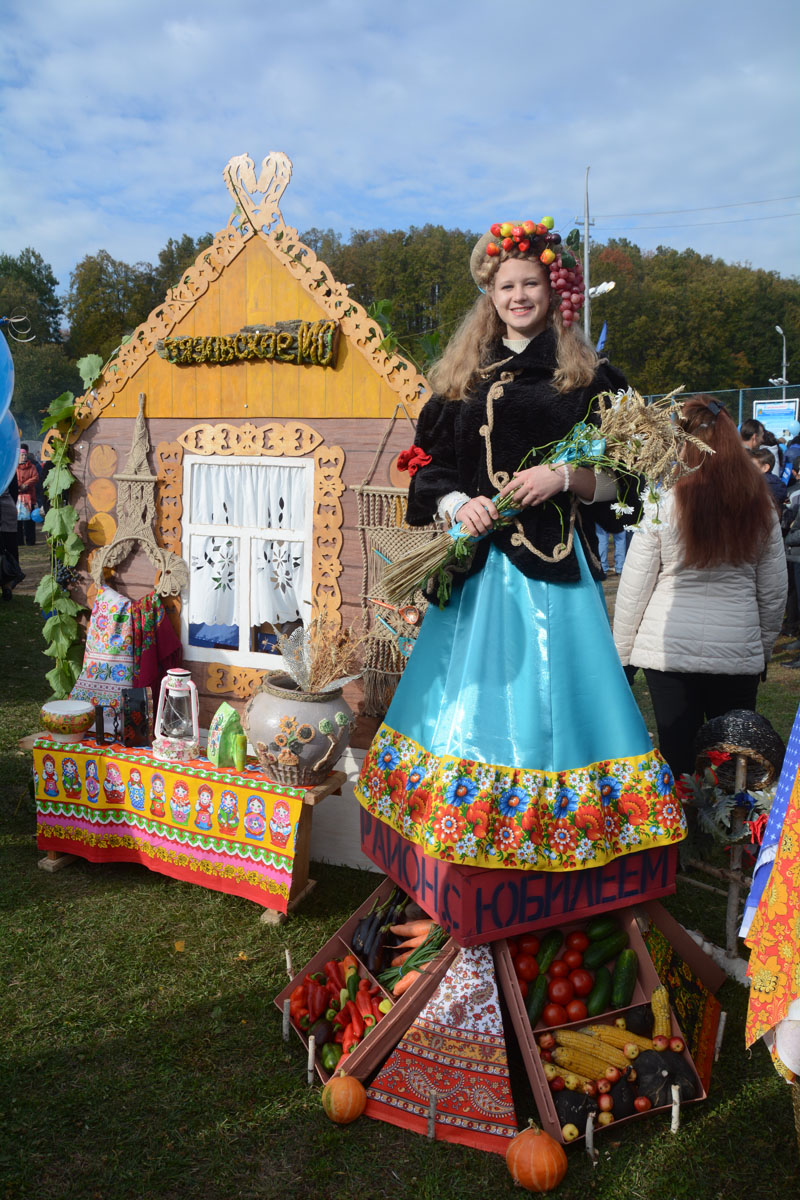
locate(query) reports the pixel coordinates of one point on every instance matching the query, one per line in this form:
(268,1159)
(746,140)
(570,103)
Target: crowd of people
(22,508)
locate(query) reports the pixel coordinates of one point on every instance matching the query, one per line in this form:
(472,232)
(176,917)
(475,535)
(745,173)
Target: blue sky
(117,118)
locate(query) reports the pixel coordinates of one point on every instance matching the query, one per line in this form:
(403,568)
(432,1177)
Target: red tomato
(523,987)
(554,1014)
(558,969)
(529,944)
(526,967)
(513,947)
(560,991)
(573,959)
(582,981)
(577,941)
(577,1010)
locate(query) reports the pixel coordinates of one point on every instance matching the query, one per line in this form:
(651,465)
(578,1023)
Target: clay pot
(298,736)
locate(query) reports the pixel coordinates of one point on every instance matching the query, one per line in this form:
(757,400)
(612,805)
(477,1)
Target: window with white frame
(247,536)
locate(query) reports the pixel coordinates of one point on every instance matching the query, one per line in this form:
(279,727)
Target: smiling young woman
(513,739)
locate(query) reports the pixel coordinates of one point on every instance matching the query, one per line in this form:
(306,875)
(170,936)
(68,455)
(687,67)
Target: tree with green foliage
(28,285)
(41,371)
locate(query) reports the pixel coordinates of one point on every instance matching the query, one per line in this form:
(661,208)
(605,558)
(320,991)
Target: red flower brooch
(412,459)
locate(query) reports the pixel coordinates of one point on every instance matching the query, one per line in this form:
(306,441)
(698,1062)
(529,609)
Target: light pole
(587,293)
(783,365)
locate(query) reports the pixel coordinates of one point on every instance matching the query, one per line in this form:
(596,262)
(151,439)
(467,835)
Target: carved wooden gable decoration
(255,343)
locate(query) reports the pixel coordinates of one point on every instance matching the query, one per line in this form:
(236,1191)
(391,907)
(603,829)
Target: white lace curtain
(255,498)
(260,497)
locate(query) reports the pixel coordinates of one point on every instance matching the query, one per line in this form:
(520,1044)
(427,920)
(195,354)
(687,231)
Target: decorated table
(233,831)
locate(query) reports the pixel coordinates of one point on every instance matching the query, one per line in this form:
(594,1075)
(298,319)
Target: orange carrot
(401,958)
(412,943)
(412,929)
(405,982)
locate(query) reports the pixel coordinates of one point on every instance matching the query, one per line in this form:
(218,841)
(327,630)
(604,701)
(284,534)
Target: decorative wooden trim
(253,217)
(242,681)
(292,440)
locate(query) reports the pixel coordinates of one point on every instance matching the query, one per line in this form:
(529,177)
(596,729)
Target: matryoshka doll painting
(179,803)
(49,776)
(70,779)
(92,787)
(204,807)
(254,822)
(113,787)
(158,801)
(228,815)
(280,827)
(136,789)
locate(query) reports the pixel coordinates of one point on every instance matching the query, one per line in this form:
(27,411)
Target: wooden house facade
(266,395)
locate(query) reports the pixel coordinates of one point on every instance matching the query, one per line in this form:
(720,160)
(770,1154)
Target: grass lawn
(131,1070)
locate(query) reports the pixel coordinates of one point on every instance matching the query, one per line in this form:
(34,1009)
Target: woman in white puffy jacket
(702,593)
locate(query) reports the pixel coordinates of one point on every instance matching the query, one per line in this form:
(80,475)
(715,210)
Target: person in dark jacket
(513,739)
(27,485)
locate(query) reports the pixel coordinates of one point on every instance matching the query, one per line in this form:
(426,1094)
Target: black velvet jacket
(528,413)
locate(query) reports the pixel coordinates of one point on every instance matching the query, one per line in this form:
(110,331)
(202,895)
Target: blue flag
(601,341)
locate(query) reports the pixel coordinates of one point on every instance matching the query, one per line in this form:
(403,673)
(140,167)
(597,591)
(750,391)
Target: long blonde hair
(469,350)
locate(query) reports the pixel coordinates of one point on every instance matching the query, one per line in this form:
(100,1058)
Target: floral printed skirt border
(514,739)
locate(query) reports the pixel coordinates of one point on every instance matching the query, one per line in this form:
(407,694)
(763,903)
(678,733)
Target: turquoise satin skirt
(513,738)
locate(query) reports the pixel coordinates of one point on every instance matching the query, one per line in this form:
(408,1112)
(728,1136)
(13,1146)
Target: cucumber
(537,998)
(548,949)
(602,952)
(599,998)
(601,928)
(623,980)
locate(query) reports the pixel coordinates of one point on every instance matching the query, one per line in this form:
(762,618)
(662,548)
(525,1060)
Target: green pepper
(329,1057)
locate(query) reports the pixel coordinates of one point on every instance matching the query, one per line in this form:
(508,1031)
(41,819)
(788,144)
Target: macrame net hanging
(384,536)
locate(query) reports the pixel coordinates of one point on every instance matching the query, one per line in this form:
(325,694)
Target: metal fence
(739,401)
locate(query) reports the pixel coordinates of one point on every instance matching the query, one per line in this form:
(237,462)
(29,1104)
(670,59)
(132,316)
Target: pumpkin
(536,1161)
(343,1098)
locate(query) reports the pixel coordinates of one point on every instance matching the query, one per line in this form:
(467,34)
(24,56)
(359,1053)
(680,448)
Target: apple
(505,229)
(570,1132)
(660,1042)
(603,1086)
(641,1104)
(547,256)
(529,227)
(605,1118)
(630,1050)
(677,1044)
(613,1074)
(495,229)
(548,222)
(550,1071)
(517,232)
(541,229)
(547,1055)
(508,242)
(589,1087)
(605,1102)
(557,1084)
(571,1082)
(492,249)
(547,1041)
(620,1023)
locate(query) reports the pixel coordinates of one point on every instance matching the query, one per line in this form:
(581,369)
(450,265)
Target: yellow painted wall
(255,289)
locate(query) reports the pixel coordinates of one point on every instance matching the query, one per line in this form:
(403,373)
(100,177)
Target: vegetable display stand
(477,905)
(231,831)
(386,1033)
(565,1108)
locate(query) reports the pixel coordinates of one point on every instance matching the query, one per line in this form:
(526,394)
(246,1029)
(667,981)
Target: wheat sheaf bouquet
(634,439)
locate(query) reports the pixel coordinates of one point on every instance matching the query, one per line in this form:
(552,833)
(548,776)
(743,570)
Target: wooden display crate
(647,980)
(378,1044)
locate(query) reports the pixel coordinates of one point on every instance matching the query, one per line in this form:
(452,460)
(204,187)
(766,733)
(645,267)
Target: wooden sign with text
(477,905)
(312,342)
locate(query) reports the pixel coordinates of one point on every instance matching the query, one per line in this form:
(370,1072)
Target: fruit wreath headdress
(516,239)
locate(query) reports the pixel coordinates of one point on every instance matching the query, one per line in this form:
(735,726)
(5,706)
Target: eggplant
(323,1031)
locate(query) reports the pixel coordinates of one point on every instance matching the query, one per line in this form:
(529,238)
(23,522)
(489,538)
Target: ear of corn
(579,1063)
(662,1021)
(617,1037)
(609,1055)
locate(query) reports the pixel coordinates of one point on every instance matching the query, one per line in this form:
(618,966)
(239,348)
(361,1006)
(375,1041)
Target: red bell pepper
(338,1037)
(356,1020)
(299,993)
(317,1000)
(341,1019)
(350,1040)
(376,1012)
(334,973)
(363,1002)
